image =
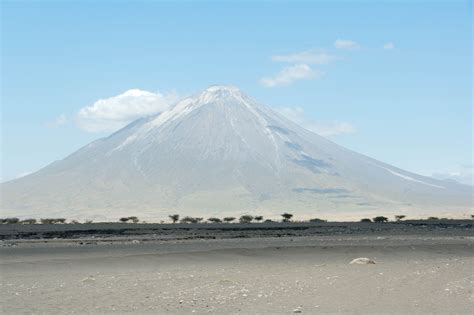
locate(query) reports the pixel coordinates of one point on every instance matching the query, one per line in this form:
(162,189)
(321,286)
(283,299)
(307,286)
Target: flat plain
(420,267)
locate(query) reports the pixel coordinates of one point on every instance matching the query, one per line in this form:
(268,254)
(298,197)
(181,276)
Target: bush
(380,219)
(187,220)
(133,219)
(174,217)
(433,218)
(52,220)
(229,219)
(268,221)
(75,222)
(317,220)
(246,218)
(214,220)
(400,217)
(28,221)
(365,220)
(190,220)
(89,222)
(10,221)
(258,218)
(124,220)
(286,217)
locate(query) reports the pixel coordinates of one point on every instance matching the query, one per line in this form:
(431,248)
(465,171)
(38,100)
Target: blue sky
(390,80)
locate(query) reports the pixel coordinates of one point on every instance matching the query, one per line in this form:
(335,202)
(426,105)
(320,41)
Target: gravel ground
(426,274)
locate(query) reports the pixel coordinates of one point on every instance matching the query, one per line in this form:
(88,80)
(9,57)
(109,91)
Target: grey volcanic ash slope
(220,152)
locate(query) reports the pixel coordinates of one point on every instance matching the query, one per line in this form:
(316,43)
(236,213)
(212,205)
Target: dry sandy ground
(312,275)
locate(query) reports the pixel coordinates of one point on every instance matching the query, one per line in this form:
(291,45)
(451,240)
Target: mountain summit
(221,153)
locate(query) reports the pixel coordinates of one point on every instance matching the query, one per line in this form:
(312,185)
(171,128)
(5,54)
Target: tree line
(175,218)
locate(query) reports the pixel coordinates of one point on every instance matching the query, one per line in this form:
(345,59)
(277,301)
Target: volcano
(220,153)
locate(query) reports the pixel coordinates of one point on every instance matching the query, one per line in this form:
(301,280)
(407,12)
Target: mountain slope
(220,152)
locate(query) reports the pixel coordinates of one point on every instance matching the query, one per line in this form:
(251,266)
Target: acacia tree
(187,220)
(133,219)
(174,217)
(28,221)
(214,220)
(287,217)
(246,218)
(229,219)
(10,220)
(124,220)
(400,217)
(380,219)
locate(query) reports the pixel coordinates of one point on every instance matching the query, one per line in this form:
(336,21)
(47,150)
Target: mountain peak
(221,88)
(220,92)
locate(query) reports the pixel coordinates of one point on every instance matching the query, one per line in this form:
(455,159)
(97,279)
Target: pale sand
(412,274)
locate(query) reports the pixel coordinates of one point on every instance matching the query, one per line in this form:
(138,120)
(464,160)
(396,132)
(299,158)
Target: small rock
(362,261)
(298,310)
(89,279)
(225,282)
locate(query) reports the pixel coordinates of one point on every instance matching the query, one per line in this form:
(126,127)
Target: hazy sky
(392,81)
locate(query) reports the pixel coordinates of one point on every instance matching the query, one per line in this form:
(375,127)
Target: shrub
(75,222)
(246,219)
(190,220)
(214,220)
(52,220)
(186,220)
(268,221)
(174,217)
(258,218)
(286,217)
(365,220)
(433,218)
(400,217)
(10,221)
(317,220)
(133,219)
(124,220)
(380,219)
(89,222)
(28,221)
(229,219)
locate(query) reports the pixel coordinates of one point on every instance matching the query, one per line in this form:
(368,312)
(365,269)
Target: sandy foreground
(412,274)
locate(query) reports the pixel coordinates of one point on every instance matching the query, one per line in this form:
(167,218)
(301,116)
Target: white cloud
(307,57)
(346,44)
(112,113)
(325,129)
(59,121)
(290,74)
(389,46)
